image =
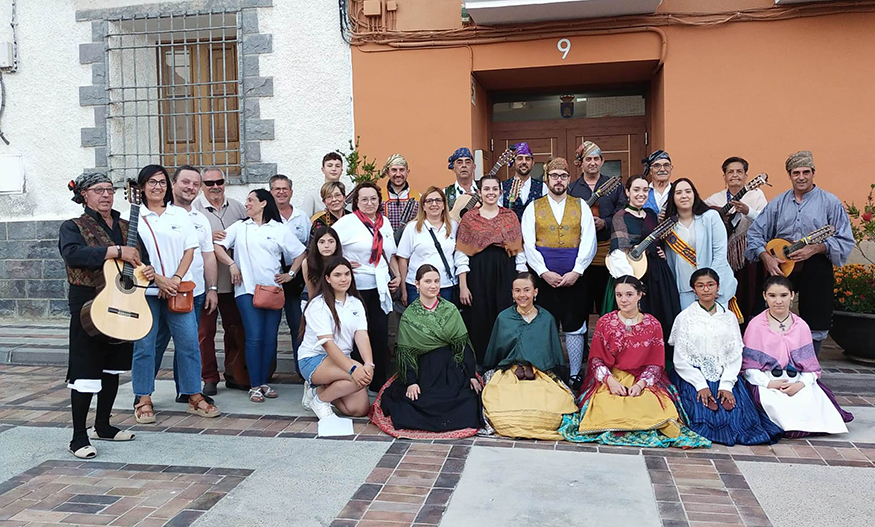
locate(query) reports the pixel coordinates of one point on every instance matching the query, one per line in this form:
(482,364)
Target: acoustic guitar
(753,184)
(637,257)
(782,249)
(600,192)
(466,202)
(120,311)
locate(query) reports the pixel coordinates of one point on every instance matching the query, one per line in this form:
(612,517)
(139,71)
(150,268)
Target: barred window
(174,93)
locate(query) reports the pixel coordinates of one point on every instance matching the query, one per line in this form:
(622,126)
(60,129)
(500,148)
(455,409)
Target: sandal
(141,414)
(85,452)
(269,392)
(121,435)
(255,395)
(197,405)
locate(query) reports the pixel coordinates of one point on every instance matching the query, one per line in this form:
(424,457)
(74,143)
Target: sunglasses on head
(219,182)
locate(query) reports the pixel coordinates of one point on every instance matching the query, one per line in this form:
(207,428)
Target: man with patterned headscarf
(520,190)
(792,215)
(559,241)
(401,200)
(99,234)
(462,164)
(590,160)
(658,168)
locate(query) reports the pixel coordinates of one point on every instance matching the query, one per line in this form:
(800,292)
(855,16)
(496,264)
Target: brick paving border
(123,494)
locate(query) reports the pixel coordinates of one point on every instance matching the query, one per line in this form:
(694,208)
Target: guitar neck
(133,223)
(725,210)
(657,233)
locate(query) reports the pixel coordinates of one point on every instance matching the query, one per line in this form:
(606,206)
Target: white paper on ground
(335,426)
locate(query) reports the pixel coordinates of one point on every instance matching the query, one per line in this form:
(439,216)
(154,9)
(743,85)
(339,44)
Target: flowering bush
(861,221)
(855,288)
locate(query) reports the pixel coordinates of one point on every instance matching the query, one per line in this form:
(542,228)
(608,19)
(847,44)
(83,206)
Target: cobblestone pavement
(254,466)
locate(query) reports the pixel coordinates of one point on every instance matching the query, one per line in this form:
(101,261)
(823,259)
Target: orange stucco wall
(760,90)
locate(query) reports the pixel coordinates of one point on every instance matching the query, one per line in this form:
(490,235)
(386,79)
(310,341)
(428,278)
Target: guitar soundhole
(125,284)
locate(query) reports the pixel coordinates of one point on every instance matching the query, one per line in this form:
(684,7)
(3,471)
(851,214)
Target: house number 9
(564,46)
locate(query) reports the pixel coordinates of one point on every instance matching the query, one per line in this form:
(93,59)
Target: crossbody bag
(183,300)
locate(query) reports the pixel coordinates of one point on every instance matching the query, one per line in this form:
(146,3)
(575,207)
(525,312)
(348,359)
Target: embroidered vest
(558,242)
(94,236)
(518,205)
(450,192)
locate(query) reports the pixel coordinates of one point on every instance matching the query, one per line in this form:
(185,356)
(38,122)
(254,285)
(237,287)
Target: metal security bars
(174,93)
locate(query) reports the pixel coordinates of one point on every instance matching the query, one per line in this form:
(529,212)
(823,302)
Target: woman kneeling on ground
(627,398)
(331,324)
(707,360)
(436,388)
(780,362)
(522,396)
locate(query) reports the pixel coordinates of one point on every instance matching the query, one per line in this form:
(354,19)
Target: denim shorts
(307,366)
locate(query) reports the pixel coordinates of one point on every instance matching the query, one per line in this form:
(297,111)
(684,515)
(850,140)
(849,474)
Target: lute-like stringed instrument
(782,249)
(636,256)
(466,202)
(600,192)
(753,184)
(120,311)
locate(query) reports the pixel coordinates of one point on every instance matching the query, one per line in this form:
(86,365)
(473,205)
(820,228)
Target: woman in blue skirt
(707,361)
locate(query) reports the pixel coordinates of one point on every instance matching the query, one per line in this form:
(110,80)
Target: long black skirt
(446,401)
(490,281)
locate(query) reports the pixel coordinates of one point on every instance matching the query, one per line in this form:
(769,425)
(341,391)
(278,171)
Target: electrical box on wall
(373,8)
(11,174)
(7,55)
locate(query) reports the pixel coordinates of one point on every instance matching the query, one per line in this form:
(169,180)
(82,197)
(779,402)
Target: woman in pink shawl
(780,364)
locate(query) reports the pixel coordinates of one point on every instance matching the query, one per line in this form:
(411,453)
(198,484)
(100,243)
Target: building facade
(255,87)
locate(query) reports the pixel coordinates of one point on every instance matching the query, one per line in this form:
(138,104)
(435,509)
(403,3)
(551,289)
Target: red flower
(867,216)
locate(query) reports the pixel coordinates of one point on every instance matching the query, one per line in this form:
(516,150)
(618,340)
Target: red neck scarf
(374,227)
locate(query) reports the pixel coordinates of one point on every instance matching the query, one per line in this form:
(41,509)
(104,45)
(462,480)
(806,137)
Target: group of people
(484,292)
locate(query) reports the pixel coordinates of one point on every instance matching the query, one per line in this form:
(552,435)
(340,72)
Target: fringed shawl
(421,331)
(765,349)
(477,233)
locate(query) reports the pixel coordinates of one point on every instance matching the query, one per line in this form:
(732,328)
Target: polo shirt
(220,219)
(257,252)
(419,249)
(319,321)
(174,233)
(299,225)
(205,245)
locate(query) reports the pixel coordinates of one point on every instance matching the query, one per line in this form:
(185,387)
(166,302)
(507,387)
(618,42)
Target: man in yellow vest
(559,240)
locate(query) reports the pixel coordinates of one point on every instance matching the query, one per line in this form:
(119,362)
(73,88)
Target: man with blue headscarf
(527,189)
(462,164)
(657,167)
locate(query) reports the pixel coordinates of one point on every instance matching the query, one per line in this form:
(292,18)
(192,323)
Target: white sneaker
(309,393)
(321,408)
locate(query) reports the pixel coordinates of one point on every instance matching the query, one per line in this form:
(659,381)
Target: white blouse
(174,233)
(357,241)
(319,321)
(257,251)
(420,249)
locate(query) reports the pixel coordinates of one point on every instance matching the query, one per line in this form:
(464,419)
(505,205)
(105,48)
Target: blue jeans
(261,327)
(293,319)
(164,339)
(413,294)
(187,356)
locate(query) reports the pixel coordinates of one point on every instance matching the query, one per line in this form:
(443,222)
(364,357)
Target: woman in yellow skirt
(627,398)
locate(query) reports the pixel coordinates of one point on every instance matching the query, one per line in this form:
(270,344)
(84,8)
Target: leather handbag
(269,297)
(183,301)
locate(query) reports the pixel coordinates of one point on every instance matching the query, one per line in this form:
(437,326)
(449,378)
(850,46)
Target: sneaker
(309,393)
(321,408)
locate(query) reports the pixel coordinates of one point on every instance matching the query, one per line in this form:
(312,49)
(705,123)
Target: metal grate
(174,93)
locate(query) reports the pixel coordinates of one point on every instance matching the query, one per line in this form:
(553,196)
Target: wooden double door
(621,139)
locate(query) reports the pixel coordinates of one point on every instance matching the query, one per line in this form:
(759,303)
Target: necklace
(781,325)
(525,314)
(629,322)
(634,209)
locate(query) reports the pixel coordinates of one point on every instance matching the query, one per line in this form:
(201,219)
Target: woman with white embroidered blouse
(259,243)
(430,231)
(367,239)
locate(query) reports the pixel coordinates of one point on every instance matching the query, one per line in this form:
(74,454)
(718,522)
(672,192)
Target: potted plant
(853,325)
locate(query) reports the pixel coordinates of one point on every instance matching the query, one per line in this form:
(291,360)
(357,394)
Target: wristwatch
(292,273)
(213,288)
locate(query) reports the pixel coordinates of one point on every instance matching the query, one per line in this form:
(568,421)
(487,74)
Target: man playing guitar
(462,164)
(520,190)
(95,363)
(792,215)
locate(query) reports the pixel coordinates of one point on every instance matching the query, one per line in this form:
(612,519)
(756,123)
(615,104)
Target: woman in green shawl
(436,387)
(522,396)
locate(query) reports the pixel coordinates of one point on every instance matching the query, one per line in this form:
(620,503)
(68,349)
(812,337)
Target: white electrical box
(11,174)
(7,55)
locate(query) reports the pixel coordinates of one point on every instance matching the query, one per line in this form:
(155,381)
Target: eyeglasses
(369,200)
(659,166)
(282,189)
(433,201)
(214,182)
(562,177)
(709,285)
(157,183)
(102,190)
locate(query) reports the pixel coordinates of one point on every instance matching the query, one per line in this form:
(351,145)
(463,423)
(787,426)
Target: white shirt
(687,234)
(319,321)
(299,225)
(586,249)
(175,234)
(419,248)
(524,193)
(660,198)
(257,251)
(205,245)
(755,200)
(357,241)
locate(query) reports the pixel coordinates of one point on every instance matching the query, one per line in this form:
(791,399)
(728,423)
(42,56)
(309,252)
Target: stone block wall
(33,282)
